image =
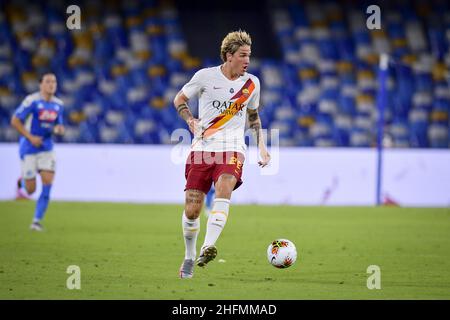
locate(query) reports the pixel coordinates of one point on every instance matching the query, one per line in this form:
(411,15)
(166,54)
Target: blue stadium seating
(119,74)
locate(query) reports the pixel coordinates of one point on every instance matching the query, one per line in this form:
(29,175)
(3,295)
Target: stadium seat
(438,136)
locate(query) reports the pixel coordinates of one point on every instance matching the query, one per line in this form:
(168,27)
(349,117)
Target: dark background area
(206,23)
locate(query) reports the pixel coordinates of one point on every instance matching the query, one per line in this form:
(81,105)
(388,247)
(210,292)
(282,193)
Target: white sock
(216,221)
(191,229)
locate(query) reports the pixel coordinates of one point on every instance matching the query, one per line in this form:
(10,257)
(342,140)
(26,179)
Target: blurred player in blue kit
(38,117)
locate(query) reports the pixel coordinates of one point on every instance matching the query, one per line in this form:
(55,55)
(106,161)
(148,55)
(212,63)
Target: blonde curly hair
(232,42)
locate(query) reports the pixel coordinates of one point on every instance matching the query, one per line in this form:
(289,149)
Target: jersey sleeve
(253,103)
(25,108)
(60,119)
(194,86)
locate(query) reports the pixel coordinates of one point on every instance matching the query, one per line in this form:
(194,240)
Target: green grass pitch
(133,251)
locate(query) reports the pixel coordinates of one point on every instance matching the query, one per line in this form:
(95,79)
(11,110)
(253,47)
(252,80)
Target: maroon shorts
(203,168)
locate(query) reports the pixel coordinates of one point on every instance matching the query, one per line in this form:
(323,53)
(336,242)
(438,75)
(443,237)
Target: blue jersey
(39,118)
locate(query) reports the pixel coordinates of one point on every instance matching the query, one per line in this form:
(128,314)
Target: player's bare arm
(18,125)
(181,104)
(59,130)
(255,124)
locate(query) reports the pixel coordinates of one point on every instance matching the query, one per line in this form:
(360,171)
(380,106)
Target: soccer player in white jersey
(226,95)
(38,117)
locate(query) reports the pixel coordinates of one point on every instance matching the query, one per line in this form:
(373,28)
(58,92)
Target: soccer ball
(282,253)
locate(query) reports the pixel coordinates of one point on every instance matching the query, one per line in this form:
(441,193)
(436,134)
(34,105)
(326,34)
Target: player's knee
(224,192)
(47,177)
(225,185)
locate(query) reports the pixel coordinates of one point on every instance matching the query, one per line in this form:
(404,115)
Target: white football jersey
(222,108)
